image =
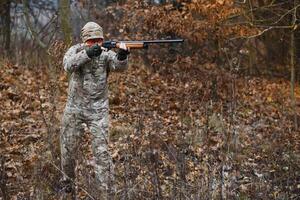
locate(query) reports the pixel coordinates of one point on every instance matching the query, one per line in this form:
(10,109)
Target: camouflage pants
(72,130)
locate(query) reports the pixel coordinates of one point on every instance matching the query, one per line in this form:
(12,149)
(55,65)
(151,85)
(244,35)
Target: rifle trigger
(104,49)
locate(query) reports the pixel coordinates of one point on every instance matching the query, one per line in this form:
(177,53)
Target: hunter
(88,65)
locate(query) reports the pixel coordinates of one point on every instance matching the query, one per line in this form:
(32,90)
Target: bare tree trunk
(5,15)
(293,68)
(293,78)
(64,12)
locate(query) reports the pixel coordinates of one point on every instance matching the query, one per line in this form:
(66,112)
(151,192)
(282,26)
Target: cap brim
(94,37)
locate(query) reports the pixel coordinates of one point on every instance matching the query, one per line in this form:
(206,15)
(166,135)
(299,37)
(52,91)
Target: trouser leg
(70,132)
(104,167)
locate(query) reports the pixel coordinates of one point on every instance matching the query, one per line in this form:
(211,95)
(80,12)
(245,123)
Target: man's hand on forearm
(123,52)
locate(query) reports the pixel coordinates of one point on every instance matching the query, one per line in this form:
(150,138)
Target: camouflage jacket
(88,77)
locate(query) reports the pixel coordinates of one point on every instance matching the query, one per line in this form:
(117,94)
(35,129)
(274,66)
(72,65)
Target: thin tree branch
(32,31)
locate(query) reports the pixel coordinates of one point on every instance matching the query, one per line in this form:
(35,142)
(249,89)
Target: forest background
(213,118)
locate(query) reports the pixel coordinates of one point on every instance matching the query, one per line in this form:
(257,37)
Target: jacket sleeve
(74,58)
(114,64)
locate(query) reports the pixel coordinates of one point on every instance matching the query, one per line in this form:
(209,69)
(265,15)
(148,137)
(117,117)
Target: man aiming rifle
(88,64)
(87,103)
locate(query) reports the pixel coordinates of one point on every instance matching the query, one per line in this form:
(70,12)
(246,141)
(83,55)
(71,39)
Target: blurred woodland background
(214,118)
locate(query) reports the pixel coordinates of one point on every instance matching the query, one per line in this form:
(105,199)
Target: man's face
(91,42)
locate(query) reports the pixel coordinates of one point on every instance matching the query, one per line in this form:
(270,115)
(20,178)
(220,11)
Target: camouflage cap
(91,30)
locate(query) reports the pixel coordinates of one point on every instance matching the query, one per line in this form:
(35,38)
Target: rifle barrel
(164,41)
(155,41)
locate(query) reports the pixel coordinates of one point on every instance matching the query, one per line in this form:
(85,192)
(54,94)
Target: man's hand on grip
(93,51)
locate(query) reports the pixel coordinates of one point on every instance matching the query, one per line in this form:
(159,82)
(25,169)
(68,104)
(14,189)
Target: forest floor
(179,132)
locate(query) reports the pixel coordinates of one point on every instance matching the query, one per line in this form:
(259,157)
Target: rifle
(143,44)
